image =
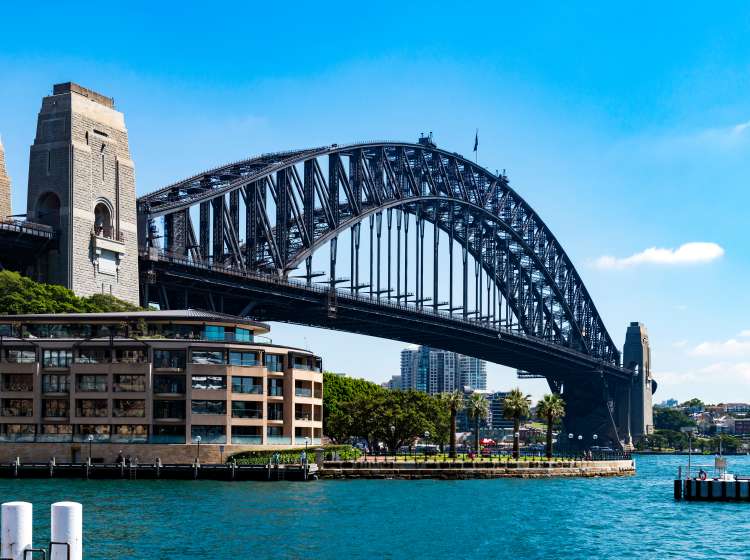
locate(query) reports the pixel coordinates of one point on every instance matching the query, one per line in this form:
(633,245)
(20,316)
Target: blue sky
(625,128)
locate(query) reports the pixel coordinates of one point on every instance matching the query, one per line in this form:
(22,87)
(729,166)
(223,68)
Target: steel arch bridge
(497,284)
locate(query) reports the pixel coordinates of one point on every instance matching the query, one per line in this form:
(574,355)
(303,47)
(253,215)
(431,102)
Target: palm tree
(455,403)
(478,408)
(516,405)
(551,407)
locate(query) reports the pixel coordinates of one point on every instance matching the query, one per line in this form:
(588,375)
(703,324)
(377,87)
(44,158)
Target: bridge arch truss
(283,213)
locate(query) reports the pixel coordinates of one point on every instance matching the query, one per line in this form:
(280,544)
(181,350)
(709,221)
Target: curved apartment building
(171,385)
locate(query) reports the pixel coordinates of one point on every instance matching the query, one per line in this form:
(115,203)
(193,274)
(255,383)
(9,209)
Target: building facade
(82,184)
(438,371)
(154,383)
(5,191)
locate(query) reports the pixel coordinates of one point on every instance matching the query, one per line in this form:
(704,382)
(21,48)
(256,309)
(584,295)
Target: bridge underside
(588,388)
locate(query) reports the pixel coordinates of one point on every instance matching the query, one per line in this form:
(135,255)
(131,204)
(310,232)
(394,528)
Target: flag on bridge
(476,140)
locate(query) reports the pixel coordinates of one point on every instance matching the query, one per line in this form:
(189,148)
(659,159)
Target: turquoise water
(634,517)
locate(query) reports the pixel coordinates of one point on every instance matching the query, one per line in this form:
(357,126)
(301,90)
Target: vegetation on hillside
(19,294)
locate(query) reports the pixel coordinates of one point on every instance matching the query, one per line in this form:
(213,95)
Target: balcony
(247,440)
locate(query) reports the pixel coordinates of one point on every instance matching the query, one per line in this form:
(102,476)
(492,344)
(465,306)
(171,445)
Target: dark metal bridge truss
(522,278)
(437,249)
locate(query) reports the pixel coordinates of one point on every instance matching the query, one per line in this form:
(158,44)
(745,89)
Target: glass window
(243,335)
(169,384)
(209,382)
(92,383)
(129,383)
(209,434)
(55,433)
(302,412)
(130,355)
(92,408)
(100,432)
(55,408)
(213,332)
(20,356)
(129,408)
(167,434)
(208,407)
(209,357)
(169,409)
(247,359)
(18,382)
(275,411)
(129,433)
(318,390)
(274,362)
(18,432)
(303,388)
(249,385)
(169,359)
(247,434)
(93,356)
(247,409)
(18,407)
(57,358)
(275,431)
(275,387)
(55,383)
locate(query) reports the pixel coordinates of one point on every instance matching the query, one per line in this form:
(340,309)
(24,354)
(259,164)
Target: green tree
(516,405)
(20,295)
(694,403)
(551,408)
(455,403)
(478,408)
(339,389)
(671,419)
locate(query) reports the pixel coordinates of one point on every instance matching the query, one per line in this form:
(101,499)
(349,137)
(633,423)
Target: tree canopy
(355,408)
(19,295)
(671,419)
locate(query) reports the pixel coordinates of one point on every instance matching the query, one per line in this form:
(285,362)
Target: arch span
(300,203)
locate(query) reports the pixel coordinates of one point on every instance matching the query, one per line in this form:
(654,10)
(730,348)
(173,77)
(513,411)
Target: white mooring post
(67,527)
(16,519)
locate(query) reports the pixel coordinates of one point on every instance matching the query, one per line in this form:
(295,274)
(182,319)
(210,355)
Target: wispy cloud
(725,349)
(745,333)
(698,252)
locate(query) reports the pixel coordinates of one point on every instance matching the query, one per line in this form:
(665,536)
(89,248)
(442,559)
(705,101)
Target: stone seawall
(466,470)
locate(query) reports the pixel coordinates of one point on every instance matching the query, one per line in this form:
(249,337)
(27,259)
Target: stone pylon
(82,184)
(5,210)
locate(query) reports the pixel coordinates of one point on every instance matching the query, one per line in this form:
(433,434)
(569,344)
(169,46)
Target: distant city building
(737,408)
(497,420)
(438,371)
(393,383)
(742,426)
(669,403)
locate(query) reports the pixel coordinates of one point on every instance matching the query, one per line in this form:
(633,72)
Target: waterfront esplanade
(151,384)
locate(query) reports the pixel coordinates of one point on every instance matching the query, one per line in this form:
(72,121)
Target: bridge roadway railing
(166,256)
(29,228)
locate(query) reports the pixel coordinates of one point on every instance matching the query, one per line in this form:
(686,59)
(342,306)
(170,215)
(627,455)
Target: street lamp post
(595,437)
(570,443)
(91,439)
(516,444)
(198,456)
(580,443)
(426,437)
(393,442)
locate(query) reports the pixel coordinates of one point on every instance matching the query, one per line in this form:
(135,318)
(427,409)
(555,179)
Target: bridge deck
(176,282)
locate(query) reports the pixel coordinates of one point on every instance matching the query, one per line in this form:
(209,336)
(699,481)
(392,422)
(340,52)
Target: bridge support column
(591,408)
(637,356)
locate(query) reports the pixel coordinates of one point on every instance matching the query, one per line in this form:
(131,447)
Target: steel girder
(320,193)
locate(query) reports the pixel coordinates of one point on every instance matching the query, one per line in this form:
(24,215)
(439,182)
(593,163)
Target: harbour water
(556,518)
